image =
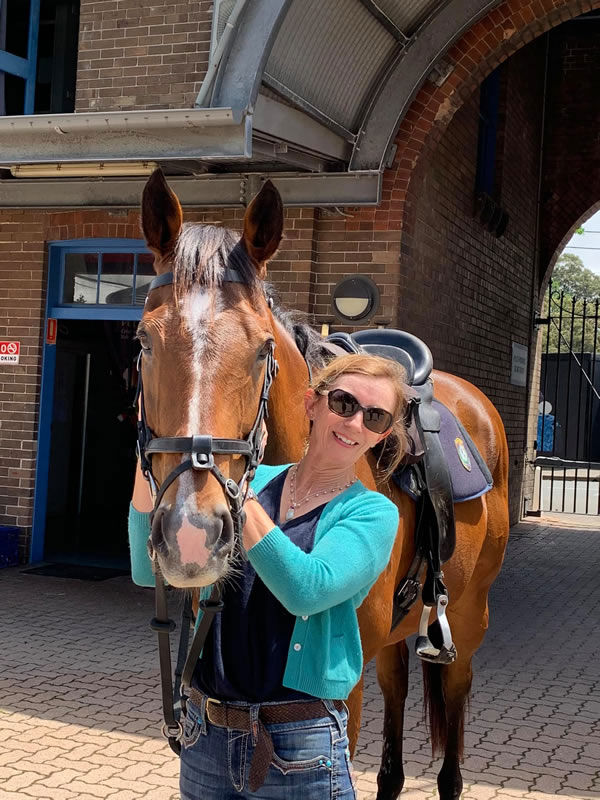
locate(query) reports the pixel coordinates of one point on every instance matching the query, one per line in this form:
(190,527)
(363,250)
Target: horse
(205,343)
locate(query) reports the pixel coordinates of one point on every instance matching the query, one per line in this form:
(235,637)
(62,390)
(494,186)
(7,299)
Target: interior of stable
(93,443)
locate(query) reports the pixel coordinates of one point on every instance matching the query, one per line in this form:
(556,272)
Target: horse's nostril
(157,536)
(226,537)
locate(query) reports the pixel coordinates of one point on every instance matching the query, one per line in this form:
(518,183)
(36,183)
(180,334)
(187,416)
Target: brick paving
(80,711)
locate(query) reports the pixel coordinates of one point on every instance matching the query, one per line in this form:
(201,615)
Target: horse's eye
(266,349)
(144,341)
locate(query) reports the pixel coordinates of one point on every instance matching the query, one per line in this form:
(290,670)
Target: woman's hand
(142,498)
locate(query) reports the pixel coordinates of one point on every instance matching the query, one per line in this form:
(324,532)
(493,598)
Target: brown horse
(205,343)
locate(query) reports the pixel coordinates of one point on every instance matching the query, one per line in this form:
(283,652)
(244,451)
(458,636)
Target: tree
(573,278)
(573,306)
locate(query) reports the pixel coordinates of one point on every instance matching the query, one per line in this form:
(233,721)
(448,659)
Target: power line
(573,247)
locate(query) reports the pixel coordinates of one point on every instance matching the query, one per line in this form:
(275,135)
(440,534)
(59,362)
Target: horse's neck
(287,423)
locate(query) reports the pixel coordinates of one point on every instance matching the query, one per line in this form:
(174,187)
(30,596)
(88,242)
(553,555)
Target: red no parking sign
(9,352)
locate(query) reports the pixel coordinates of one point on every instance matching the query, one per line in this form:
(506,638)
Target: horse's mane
(202,254)
(307,340)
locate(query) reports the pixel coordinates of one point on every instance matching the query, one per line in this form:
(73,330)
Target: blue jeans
(311,761)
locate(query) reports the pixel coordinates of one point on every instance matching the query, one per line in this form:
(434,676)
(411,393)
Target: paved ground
(79,706)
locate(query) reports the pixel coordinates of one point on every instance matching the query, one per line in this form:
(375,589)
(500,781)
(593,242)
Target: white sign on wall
(518,371)
(9,352)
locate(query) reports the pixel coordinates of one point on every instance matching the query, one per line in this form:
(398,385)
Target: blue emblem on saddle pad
(468,471)
(462,453)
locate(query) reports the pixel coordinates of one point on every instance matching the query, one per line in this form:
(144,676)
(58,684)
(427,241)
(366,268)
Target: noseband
(202,448)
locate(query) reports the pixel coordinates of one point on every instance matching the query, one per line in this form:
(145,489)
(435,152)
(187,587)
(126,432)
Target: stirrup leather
(424,647)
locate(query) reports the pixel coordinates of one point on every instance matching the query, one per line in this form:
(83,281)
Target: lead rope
(174,697)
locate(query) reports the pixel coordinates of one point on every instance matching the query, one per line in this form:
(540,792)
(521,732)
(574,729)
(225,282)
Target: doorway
(92,443)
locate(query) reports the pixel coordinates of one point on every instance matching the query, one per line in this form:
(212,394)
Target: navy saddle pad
(469,474)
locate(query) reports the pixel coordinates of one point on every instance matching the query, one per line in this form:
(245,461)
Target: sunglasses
(345,404)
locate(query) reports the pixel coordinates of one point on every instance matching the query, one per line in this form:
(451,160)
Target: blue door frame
(57,310)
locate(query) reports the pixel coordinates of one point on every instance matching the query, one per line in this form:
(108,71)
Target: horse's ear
(263,225)
(161,215)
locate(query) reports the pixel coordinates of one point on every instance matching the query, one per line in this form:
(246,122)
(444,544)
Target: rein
(201,449)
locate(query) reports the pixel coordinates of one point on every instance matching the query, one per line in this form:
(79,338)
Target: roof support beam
(312,189)
(240,73)
(207,133)
(407,74)
(384,20)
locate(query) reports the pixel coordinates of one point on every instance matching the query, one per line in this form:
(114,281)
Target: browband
(230,274)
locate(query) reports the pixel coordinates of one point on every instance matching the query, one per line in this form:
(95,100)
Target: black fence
(568,436)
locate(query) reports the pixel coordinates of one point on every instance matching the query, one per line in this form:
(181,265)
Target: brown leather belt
(228,715)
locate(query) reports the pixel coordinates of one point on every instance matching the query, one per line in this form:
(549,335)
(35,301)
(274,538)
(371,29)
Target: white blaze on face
(196,310)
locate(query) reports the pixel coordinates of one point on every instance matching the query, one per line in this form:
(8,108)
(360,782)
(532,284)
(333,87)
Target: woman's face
(341,441)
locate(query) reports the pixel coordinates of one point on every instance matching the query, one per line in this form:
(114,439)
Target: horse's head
(206,342)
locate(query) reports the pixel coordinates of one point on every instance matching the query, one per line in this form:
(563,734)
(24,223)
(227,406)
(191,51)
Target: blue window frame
(113,288)
(24,68)
(98,278)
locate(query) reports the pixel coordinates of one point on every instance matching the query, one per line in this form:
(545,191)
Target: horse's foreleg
(354,704)
(392,674)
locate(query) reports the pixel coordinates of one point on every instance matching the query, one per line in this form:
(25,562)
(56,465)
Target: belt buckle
(210,700)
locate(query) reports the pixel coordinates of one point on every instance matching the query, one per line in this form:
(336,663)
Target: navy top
(245,653)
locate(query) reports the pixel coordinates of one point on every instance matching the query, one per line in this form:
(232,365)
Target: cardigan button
(304,617)
(297,647)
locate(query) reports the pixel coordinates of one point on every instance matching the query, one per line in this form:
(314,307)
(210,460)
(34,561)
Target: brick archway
(562,244)
(483,47)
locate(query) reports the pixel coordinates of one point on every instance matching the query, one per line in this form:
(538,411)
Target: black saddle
(409,351)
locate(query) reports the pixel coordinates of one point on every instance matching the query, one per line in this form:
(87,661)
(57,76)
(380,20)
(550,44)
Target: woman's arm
(139,531)
(349,557)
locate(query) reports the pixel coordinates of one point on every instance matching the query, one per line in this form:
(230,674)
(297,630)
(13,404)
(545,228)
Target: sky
(587,245)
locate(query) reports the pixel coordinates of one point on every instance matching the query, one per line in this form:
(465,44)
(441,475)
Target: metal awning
(292,85)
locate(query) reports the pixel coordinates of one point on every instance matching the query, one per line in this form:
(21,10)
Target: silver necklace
(294,504)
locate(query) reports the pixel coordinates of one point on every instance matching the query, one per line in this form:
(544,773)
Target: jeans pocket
(192,728)
(302,749)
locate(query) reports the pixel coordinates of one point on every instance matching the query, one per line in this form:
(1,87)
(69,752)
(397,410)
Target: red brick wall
(464,291)
(135,55)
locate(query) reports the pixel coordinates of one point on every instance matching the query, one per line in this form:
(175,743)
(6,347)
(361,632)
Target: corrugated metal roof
(330,54)
(408,14)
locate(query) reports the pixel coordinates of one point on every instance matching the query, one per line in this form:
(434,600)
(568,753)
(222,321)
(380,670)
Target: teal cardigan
(322,589)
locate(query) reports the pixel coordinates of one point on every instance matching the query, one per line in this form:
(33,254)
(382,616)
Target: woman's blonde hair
(395,445)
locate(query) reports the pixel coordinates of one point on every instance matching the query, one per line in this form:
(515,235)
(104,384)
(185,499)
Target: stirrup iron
(424,647)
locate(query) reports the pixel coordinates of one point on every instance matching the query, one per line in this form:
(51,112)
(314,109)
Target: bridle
(201,449)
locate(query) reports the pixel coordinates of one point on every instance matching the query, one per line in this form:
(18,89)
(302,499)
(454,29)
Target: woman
(285,652)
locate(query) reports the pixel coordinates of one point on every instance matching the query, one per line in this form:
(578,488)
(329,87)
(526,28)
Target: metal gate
(568,435)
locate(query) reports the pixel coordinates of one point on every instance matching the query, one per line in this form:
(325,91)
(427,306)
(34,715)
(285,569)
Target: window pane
(81,278)
(145,273)
(13,94)
(116,280)
(17,27)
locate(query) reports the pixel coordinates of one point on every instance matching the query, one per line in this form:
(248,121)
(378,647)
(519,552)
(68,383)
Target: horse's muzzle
(187,544)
